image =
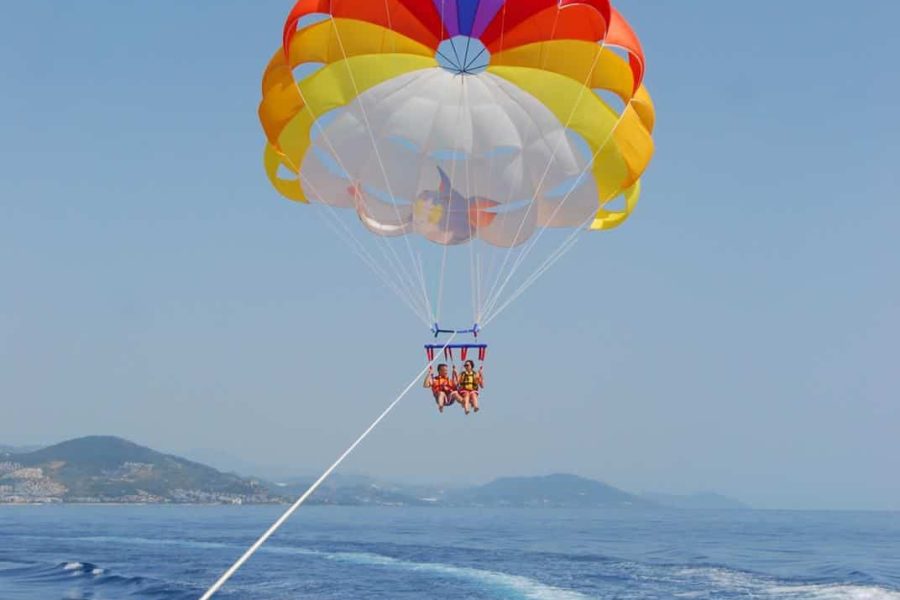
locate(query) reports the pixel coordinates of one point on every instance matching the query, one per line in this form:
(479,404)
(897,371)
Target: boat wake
(751,585)
(610,577)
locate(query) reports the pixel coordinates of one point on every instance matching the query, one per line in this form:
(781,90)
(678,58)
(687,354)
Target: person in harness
(468,384)
(442,386)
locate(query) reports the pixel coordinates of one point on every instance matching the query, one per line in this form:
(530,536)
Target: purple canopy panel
(449,15)
(487,10)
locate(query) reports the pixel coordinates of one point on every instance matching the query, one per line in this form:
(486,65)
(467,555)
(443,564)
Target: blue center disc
(463,55)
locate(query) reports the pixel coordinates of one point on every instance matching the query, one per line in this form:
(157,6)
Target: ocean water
(349,553)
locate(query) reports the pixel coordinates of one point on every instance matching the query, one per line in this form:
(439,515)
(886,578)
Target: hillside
(551,491)
(359,490)
(558,490)
(111,469)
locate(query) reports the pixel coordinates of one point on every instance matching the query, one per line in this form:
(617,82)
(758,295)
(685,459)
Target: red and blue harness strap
(448,350)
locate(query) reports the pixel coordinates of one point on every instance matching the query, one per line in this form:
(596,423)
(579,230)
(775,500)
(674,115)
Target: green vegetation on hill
(105,468)
(111,469)
(559,490)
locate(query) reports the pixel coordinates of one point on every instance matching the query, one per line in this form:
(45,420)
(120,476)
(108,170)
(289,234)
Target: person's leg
(473,400)
(463,398)
(441,399)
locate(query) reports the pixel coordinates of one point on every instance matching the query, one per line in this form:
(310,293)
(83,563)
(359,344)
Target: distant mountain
(544,491)
(360,490)
(700,501)
(111,469)
(558,490)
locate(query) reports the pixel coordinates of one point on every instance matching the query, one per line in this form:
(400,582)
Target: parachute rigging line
(523,252)
(390,91)
(293,508)
(405,284)
(405,280)
(378,157)
(423,312)
(456,143)
(529,246)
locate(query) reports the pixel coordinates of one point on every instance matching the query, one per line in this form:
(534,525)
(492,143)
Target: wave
(87,575)
(60,571)
(639,579)
(520,586)
(83,568)
(759,586)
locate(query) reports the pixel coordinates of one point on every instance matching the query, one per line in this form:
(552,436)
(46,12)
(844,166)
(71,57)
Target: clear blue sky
(743,337)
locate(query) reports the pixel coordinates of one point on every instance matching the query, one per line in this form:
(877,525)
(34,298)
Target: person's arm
(454,378)
(428,380)
(481,377)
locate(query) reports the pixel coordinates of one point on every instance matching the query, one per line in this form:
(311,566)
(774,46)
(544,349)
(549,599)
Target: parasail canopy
(443,123)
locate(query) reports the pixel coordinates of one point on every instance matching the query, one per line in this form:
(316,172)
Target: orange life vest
(441,384)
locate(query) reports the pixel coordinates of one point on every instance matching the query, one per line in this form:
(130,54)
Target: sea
(98,552)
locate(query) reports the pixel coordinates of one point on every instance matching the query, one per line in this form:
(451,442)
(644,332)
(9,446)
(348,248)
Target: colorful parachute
(459,121)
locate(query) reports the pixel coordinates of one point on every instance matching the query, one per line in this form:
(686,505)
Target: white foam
(711,579)
(523,586)
(519,584)
(764,587)
(98,571)
(833,592)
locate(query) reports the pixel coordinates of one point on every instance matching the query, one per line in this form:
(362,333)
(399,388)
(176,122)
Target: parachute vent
(463,55)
